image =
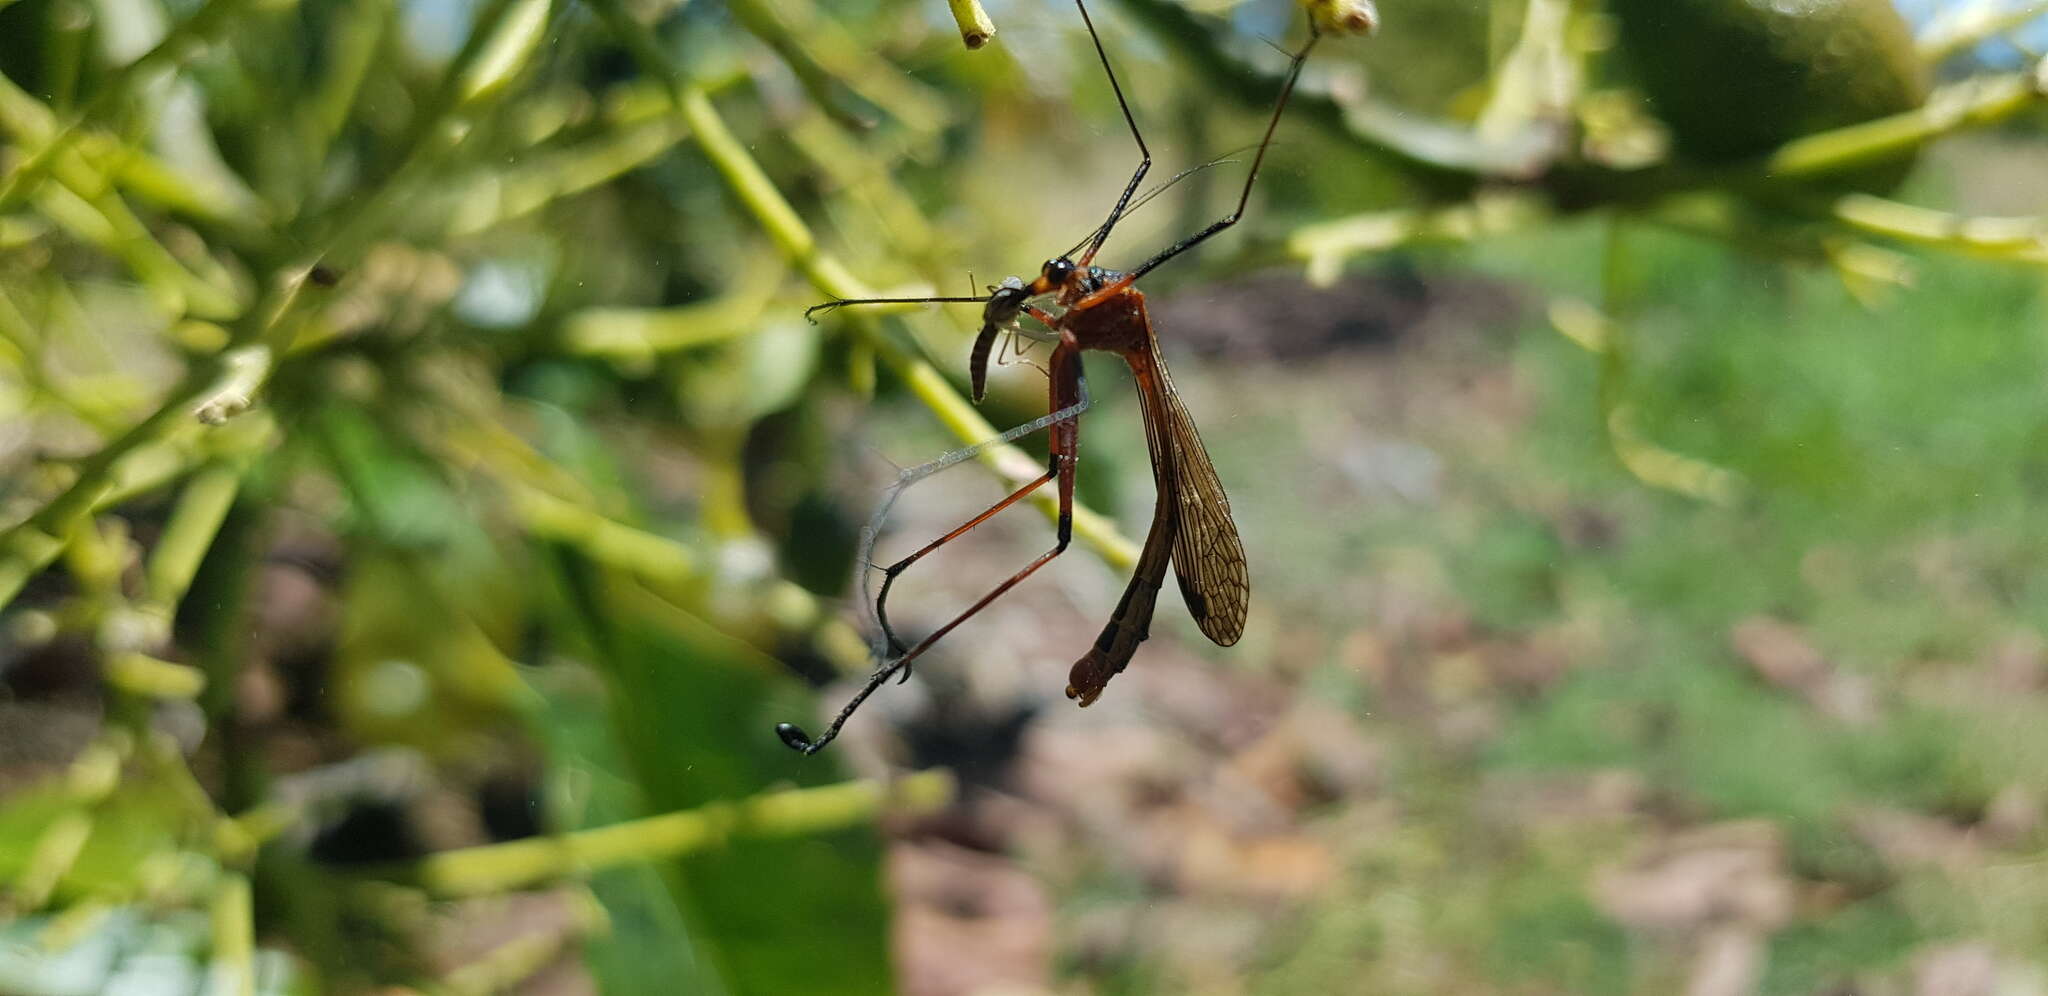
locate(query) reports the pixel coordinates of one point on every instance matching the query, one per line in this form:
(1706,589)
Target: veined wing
(1208,557)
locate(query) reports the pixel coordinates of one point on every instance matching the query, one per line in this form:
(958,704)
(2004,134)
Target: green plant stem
(824,57)
(633,337)
(516,193)
(860,171)
(187,536)
(2023,239)
(69,28)
(533,488)
(74,923)
(507,49)
(967,425)
(763,24)
(976,28)
(351,50)
(793,238)
(1443,158)
(29,546)
(517,864)
(84,202)
(234,938)
(151,678)
(100,158)
(636,551)
(184,40)
(55,851)
(25,347)
(244,371)
(667,564)
(1971,103)
(499,50)
(1325,245)
(145,457)
(496,53)
(504,967)
(1538,81)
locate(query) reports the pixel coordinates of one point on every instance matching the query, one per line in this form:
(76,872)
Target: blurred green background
(421,494)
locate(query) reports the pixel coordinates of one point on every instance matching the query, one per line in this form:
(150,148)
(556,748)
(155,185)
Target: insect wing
(1208,557)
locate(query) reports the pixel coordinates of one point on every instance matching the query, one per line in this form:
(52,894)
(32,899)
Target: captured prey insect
(1101,309)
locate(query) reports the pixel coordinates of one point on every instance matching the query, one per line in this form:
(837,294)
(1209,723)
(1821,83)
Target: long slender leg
(891,572)
(1065,537)
(1244,197)
(865,554)
(1067,392)
(1145,161)
(1059,403)
(1063,392)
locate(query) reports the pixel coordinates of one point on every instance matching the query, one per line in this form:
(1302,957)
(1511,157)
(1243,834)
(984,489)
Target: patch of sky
(436,28)
(2002,54)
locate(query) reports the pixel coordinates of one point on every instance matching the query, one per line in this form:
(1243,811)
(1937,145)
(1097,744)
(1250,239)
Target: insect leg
(1145,161)
(1070,398)
(1243,198)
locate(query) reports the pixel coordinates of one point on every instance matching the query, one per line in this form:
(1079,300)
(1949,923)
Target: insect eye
(1058,270)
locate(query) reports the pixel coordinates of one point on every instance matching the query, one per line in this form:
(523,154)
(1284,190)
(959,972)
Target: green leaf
(693,712)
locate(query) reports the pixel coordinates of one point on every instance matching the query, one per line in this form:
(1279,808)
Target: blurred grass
(1894,462)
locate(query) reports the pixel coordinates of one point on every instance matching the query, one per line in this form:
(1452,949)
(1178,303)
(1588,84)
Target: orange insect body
(1191,525)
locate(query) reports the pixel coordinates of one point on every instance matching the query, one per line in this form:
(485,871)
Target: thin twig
(182,42)
(497,53)
(492,868)
(1971,103)
(976,28)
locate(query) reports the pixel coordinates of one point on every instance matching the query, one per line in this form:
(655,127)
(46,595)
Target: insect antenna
(810,313)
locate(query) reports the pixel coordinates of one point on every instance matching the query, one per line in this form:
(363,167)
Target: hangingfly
(1091,307)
